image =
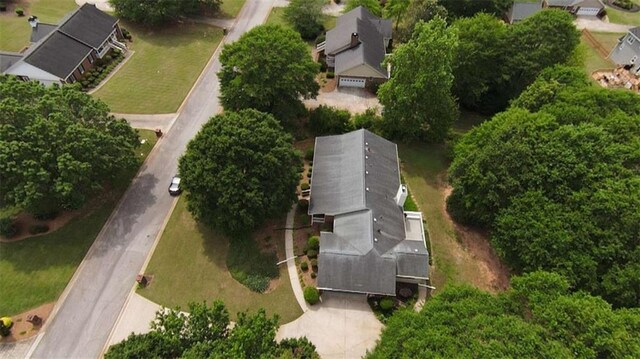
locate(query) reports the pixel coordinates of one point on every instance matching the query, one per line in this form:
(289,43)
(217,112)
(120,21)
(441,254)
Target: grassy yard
(163,69)
(231,8)
(592,58)
(15,31)
(35,271)
(623,17)
(190,264)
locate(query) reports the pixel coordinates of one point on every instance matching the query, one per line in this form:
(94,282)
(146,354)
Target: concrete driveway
(342,326)
(354,100)
(597,25)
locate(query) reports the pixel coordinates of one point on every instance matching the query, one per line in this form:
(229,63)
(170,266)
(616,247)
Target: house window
(81,69)
(72,78)
(91,58)
(24,78)
(630,39)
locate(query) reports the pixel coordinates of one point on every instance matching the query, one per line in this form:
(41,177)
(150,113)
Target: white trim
(355,292)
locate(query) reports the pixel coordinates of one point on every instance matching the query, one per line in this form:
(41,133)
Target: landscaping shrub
(312,253)
(311,295)
(314,275)
(314,264)
(313,243)
(308,174)
(19,11)
(8,228)
(257,283)
(323,65)
(322,37)
(326,120)
(304,186)
(367,119)
(303,205)
(38,228)
(46,215)
(386,304)
(625,4)
(308,154)
(330,75)
(304,266)
(108,58)
(85,83)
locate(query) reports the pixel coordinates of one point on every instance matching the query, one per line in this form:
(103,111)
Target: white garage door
(351,82)
(588,11)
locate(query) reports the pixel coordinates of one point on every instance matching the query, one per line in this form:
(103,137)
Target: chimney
(354,40)
(401,196)
(33,21)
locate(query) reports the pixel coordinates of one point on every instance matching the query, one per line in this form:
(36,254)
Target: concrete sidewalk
(136,318)
(291,264)
(597,25)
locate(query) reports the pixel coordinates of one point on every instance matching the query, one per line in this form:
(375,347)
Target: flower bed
(102,68)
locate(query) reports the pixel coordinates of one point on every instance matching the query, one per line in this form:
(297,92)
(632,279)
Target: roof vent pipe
(401,196)
(354,39)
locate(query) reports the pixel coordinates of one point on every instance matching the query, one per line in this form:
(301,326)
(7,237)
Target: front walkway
(136,317)
(291,263)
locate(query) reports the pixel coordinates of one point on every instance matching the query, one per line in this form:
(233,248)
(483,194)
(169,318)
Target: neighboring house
(522,9)
(578,7)
(355,49)
(355,186)
(63,53)
(627,52)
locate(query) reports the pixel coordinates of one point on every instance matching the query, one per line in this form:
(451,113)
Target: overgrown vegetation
(251,266)
(556,177)
(537,317)
(154,13)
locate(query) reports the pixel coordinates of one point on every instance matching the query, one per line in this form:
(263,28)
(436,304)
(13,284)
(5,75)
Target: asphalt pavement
(91,303)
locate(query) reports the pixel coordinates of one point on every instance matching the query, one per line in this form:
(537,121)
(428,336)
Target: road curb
(144,267)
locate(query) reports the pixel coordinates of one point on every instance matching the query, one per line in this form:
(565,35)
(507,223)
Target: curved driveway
(87,310)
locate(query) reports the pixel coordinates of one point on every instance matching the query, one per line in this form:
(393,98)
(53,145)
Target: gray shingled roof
(58,55)
(41,31)
(590,3)
(635,31)
(7,59)
(522,10)
(89,25)
(371,31)
(562,3)
(355,179)
(623,52)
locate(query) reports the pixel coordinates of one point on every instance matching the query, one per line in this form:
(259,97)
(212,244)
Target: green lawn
(35,271)
(164,67)
(15,31)
(623,17)
(231,8)
(190,264)
(592,58)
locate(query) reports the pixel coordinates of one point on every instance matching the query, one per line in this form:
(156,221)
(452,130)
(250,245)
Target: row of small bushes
(9,228)
(625,4)
(101,70)
(311,295)
(327,120)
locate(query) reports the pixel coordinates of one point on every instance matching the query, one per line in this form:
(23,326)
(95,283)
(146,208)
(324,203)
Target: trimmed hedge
(308,154)
(312,253)
(314,264)
(304,266)
(386,304)
(313,243)
(304,186)
(311,295)
(314,275)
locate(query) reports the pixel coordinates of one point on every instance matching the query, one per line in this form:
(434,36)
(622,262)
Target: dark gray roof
(522,10)
(623,52)
(372,32)
(7,59)
(41,31)
(58,54)
(355,179)
(590,3)
(635,31)
(562,3)
(89,25)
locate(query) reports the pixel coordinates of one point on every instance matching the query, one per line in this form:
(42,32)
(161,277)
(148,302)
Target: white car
(174,187)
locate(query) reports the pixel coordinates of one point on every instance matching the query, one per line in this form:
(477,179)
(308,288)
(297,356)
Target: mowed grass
(231,8)
(35,271)
(164,67)
(189,265)
(15,31)
(592,58)
(624,17)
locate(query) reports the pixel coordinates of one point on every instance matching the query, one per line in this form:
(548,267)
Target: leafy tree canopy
(155,13)
(58,146)
(240,169)
(268,69)
(537,317)
(560,186)
(416,11)
(372,5)
(306,17)
(206,333)
(417,99)
(469,8)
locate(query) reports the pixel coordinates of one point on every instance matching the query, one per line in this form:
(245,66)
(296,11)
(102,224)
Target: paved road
(97,293)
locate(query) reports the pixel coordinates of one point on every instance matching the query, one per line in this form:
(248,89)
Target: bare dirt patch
(22,329)
(493,275)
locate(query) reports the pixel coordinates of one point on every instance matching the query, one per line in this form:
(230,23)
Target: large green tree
(417,98)
(481,49)
(269,69)
(416,11)
(58,146)
(469,8)
(306,17)
(372,5)
(560,186)
(240,169)
(159,12)
(536,318)
(206,333)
